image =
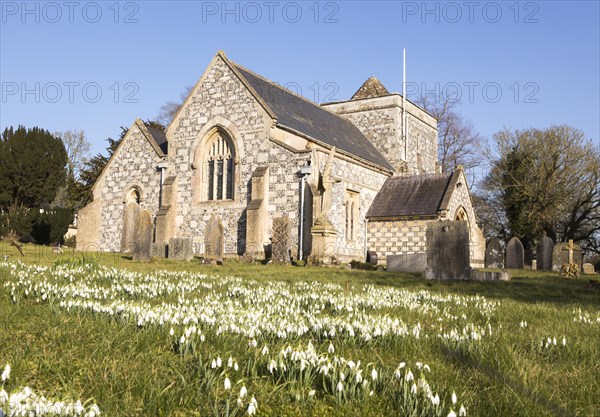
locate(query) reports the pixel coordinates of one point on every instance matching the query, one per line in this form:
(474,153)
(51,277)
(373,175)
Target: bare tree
(168,110)
(458,142)
(78,150)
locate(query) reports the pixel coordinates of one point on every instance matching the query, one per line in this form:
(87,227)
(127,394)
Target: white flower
(454,399)
(243,391)
(227,384)
(409,376)
(311,393)
(252,406)
(564,341)
(6,373)
(340,386)
(451,413)
(330,349)
(171,332)
(3,397)
(413,389)
(374,374)
(218,361)
(435,400)
(462,411)
(213,364)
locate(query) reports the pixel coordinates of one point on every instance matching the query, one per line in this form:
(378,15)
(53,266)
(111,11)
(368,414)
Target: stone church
(348,177)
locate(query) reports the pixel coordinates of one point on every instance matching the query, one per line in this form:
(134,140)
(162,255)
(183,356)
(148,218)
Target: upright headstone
(181,248)
(130,218)
(213,239)
(544,250)
(566,253)
(142,245)
(448,250)
(494,255)
(588,268)
(515,255)
(159,250)
(281,240)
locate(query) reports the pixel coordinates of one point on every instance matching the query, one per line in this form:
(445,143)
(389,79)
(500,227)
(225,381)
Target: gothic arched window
(219,168)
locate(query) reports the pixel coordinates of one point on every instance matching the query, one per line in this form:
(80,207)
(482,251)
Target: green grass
(131,371)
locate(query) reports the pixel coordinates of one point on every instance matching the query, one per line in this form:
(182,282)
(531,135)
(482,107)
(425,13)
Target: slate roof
(159,138)
(419,195)
(370,88)
(310,119)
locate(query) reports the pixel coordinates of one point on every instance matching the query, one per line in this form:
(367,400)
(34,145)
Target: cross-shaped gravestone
(570,247)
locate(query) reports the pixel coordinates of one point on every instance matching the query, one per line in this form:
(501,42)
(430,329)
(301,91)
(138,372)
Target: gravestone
(130,218)
(142,245)
(213,239)
(407,262)
(181,248)
(448,250)
(159,250)
(494,255)
(588,269)
(372,257)
(543,255)
(281,240)
(515,255)
(565,253)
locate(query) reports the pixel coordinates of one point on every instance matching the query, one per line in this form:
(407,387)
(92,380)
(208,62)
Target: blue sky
(99,65)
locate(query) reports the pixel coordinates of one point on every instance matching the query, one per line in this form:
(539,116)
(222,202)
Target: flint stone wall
(133,165)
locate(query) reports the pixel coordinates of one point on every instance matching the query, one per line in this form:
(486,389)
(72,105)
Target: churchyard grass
(88,327)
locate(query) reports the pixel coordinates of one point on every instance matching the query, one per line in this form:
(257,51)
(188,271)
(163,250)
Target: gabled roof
(370,88)
(160,139)
(303,116)
(414,196)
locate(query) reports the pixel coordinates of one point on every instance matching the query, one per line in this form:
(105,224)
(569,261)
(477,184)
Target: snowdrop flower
(564,341)
(451,413)
(435,400)
(213,365)
(374,374)
(227,384)
(265,350)
(413,389)
(340,386)
(243,391)
(6,373)
(454,399)
(171,332)
(311,393)
(3,396)
(252,406)
(330,349)
(462,411)
(218,361)
(409,376)
(427,368)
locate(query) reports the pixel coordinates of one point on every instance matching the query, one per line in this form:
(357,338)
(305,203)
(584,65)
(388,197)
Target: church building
(349,177)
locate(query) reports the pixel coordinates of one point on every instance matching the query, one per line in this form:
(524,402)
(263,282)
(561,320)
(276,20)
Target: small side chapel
(243,153)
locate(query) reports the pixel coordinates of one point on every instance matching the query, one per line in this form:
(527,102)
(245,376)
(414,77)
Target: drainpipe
(161,167)
(304,172)
(366,240)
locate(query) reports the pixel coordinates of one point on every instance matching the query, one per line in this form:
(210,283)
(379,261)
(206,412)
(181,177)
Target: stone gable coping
(139,124)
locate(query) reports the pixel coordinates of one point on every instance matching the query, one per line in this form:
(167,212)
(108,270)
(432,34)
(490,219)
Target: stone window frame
(216,126)
(131,188)
(461,214)
(351,210)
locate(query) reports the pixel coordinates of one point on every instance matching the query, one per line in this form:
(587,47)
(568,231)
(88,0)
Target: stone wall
(218,100)
(350,176)
(397,237)
(461,198)
(380,120)
(133,165)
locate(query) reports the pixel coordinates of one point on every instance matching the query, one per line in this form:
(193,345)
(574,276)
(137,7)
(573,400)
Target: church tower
(379,116)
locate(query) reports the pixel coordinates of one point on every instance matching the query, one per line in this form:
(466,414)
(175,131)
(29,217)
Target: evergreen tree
(32,168)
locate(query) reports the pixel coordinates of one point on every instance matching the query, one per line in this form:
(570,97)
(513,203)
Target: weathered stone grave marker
(447,250)
(142,246)
(181,248)
(515,254)
(281,240)
(544,250)
(130,218)
(566,253)
(494,255)
(213,239)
